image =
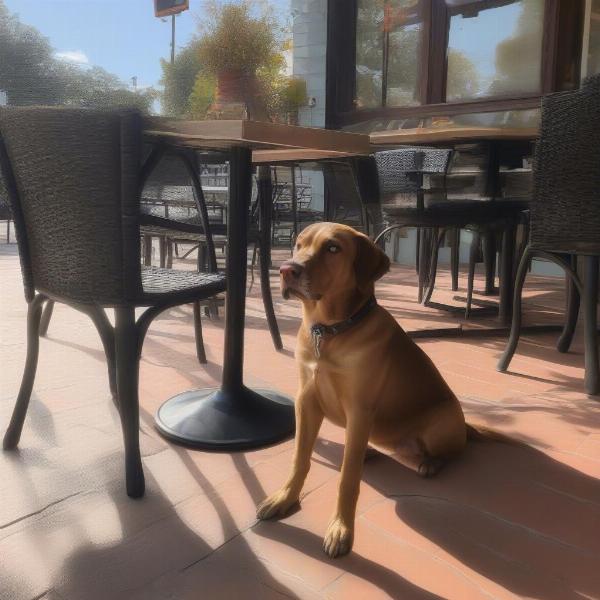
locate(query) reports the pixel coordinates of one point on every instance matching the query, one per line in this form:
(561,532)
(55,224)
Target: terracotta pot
(235,96)
(233,86)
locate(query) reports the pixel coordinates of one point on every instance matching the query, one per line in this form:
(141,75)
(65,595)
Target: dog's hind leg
(442,437)
(413,454)
(427,465)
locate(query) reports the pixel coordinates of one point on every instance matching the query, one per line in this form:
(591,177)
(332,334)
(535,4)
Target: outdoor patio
(504,521)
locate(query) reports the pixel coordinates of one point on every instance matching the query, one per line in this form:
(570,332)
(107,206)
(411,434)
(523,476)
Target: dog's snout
(290,270)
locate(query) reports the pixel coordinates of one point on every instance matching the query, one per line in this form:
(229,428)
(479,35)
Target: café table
(495,138)
(233,416)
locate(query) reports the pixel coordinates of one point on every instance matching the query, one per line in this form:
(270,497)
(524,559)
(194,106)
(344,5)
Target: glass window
(369,53)
(591,62)
(495,51)
(388,49)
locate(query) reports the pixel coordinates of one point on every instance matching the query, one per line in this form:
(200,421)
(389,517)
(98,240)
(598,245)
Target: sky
(478,37)
(125,38)
(122,36)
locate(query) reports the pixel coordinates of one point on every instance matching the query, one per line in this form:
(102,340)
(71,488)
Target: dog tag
(317,336)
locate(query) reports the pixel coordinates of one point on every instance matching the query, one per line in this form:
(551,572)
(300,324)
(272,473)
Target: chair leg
(424,260)
(507,271)
(147,250)
(202,260)
(162,247)
(253,266)
(169,259)
(590,315)
(267,296)
(489,260)
(127,358)
(454,257)
(572,310)
(437,242)
(46,315)
(515,330)
(107,335)
(473,252)
(418,250)
(34,314)
(200,351)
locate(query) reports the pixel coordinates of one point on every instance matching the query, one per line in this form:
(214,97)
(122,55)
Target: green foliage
(294,93)
(30,74)
(179,80)
(241,37)
(202,96)
(234,38)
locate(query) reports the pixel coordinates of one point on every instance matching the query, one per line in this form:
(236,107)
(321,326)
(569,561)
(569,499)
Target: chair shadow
(509,512)
(143,564)
(306,542)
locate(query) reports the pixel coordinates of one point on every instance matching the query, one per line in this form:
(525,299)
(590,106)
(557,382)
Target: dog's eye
(333,248)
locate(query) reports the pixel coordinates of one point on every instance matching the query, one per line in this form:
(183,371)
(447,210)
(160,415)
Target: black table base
(232,417)
(213,419)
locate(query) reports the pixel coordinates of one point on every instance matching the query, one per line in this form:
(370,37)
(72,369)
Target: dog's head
(331,259)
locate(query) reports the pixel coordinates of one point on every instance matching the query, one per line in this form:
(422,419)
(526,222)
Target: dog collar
(318,330)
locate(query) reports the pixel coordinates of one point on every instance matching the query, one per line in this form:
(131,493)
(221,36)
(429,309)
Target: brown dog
(359,369)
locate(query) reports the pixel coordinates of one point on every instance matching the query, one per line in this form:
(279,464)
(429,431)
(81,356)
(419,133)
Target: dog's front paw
(338,539)
(277,505)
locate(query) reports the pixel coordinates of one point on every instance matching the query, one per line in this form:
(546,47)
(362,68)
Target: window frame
(560,68)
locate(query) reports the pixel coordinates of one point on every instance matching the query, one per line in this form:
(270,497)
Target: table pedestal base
(212,419)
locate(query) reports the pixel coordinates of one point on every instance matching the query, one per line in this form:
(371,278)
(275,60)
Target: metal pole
(172,39)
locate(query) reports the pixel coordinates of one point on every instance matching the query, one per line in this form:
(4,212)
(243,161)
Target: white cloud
(73,56)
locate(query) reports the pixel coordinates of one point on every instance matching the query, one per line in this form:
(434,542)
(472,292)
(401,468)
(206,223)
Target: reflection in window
(592,57)
(496,51)
(388,47)
(506,118)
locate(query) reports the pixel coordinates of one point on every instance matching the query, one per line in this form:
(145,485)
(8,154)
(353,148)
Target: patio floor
(503,521)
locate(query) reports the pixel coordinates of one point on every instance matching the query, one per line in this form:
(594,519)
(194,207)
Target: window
(394,60)
(591,47)
(496,51)
(388,42)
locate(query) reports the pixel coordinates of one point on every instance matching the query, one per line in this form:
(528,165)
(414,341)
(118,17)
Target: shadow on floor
(509,512)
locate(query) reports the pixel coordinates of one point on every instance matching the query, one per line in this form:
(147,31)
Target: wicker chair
(5,212)
(565,214)
(403,201)
(174,209)
(73,177)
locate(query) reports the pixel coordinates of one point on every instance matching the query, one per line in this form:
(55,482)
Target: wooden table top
(284,142)
(433,135)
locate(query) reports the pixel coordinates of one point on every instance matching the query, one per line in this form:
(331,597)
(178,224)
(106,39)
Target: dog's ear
(371,262)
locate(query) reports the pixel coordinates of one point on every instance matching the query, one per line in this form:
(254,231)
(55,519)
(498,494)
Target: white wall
(310,48)
(309,63)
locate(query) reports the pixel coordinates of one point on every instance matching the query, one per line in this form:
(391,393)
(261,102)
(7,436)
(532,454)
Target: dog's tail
(481,433)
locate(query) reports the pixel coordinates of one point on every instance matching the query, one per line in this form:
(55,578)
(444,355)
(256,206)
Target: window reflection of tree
(400,82)
(518,57)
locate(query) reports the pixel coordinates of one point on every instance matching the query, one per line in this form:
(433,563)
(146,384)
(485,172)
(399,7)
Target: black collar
(318,330)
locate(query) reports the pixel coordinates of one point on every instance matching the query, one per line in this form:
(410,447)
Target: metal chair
(73,178)
(565,215)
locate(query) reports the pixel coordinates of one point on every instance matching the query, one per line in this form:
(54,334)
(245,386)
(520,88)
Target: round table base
(212,419)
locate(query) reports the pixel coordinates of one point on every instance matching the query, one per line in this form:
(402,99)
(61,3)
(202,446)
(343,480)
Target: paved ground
(502,522)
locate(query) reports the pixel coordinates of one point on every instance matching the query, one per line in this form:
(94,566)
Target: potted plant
(235,44)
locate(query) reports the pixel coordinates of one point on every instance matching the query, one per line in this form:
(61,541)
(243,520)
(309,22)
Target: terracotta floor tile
(501,521)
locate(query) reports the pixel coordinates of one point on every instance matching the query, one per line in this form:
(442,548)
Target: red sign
(163,8)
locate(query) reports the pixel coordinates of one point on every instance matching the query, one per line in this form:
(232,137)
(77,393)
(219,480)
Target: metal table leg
(232,417)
